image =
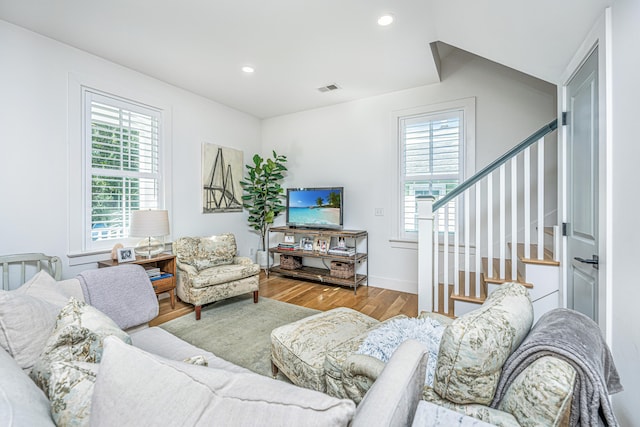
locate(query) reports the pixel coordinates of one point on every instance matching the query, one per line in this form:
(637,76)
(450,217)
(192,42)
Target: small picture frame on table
(126,255)
(321,244)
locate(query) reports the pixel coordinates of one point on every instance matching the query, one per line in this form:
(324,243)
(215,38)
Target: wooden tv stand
(354,238)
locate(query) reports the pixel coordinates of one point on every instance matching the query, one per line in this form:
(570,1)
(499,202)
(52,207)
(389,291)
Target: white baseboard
(394,284)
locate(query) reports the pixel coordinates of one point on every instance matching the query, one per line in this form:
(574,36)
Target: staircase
(490,230)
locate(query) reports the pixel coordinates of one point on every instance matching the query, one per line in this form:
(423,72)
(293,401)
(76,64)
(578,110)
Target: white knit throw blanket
(383,341)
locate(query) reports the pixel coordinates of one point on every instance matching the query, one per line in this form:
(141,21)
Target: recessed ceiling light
(247,69)
(385,20)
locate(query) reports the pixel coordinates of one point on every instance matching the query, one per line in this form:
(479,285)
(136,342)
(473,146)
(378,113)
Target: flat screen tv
(315,207)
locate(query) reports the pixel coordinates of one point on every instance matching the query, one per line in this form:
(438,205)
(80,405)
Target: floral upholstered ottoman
(298,349)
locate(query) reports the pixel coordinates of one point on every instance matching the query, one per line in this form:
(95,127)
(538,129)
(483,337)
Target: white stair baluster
(467,232)
(436,261)
(556,243)
(456,245)
(527,203)
(503,238)
(490,225)
(541,198)
(478,243)
(514,218)
(445,259)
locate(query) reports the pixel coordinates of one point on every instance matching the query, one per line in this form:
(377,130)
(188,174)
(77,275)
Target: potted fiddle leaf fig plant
(263,196)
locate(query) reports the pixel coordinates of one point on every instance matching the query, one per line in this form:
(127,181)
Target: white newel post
(425,253)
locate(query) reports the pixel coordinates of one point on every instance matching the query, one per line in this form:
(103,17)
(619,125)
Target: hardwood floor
(378,303)
(166,313)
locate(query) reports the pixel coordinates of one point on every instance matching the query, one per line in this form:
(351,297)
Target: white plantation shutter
(123,172)
(432,161)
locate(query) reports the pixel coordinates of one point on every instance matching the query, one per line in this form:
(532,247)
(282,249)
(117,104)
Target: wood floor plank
(378,303)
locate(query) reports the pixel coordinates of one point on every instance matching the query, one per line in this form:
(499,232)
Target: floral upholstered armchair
(208,270)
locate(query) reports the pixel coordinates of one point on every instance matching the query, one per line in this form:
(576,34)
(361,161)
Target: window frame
(467,107)
(79,252)
(89,95)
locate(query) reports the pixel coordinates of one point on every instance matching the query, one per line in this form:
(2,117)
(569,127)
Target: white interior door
(582,137)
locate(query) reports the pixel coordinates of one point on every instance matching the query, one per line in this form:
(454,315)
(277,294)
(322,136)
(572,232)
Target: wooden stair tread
(507,273)
(472,297)
(455,297)
(548,231)
(548,255)
(466,298)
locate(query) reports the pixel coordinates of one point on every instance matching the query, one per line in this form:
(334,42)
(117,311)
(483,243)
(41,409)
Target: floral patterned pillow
(77,337)
(70,391)
(475,346)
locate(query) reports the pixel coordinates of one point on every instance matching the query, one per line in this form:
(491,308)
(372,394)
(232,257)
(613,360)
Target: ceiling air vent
(329,88)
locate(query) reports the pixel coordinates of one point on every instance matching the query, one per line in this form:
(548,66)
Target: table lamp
(149,224)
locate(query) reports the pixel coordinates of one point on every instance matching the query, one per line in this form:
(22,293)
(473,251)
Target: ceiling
(297,46)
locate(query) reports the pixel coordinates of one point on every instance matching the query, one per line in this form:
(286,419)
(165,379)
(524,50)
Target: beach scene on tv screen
(314,207)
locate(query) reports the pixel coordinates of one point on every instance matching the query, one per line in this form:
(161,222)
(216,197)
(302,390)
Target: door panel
(582,187)
(585,289)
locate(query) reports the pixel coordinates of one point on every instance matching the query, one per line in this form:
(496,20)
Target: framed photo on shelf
(321,244)
(126,255)
(306,244)
(289,239)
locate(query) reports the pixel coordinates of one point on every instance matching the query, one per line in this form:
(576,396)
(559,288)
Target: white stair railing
(439,250)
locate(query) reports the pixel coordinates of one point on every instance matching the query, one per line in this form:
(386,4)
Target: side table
(167,265)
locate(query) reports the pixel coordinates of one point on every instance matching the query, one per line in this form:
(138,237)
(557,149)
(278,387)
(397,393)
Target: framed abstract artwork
(221,175)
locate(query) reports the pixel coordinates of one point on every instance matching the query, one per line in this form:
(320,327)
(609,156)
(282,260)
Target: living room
(347,144)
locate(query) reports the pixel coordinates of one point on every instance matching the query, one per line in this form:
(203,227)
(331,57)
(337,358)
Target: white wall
(350,145)
(625,207)
(34,143)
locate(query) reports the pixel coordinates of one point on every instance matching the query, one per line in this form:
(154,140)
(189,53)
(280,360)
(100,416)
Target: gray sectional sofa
(91,372)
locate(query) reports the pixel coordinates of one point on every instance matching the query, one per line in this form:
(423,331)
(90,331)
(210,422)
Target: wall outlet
(378,211)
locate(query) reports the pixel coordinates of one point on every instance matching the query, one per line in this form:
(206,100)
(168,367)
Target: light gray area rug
(238,330)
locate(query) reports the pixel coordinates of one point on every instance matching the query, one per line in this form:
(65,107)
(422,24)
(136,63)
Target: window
(433,146)
(122,166)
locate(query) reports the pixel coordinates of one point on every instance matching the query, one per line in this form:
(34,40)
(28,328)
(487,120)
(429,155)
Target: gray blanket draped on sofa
(576,339)
(123,292)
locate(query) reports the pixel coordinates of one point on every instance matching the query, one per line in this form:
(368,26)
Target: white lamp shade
(149,223)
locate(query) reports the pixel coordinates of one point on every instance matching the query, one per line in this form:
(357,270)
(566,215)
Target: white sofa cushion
(164,344)
(28,315)
(25,325)
(183,394)
(22,403)
(44,287)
